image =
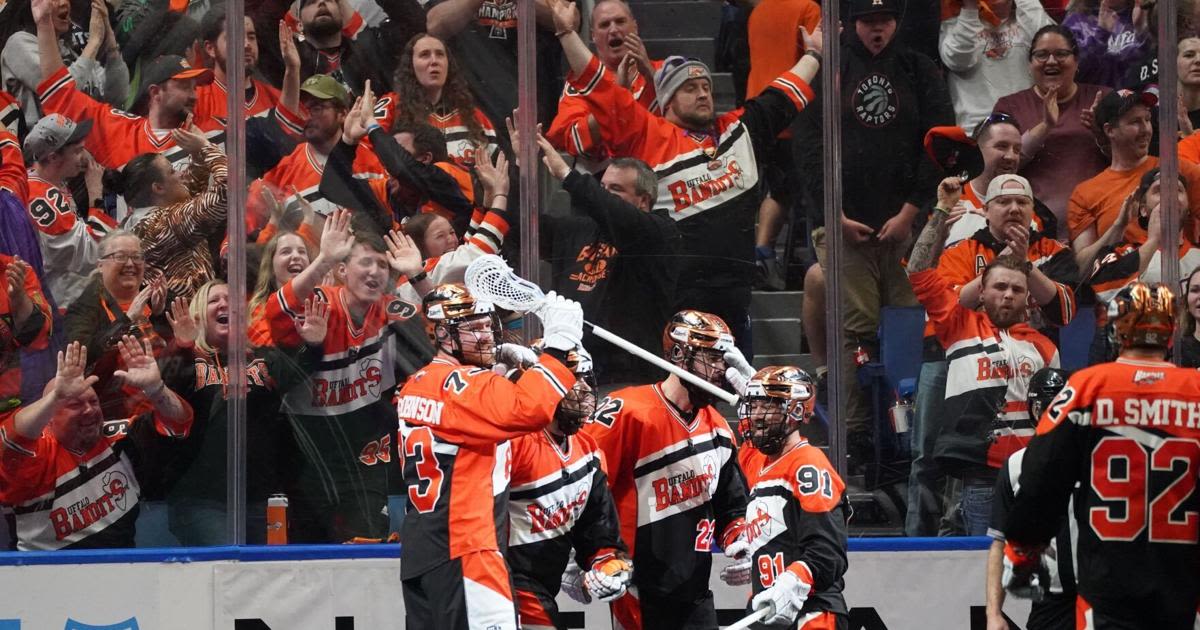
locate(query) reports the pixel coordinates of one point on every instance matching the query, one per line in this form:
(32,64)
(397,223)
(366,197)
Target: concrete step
(805,361)
(702,47)
(776,304)
(658,19)
(777,336)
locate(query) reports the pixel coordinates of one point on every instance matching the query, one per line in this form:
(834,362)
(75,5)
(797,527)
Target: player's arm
(1049,470)
(729,501)
(1002,501)
(995,586)
(488,408)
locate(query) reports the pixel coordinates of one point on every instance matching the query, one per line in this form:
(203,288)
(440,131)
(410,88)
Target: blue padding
(901,335)
(351,552)
(1075,339)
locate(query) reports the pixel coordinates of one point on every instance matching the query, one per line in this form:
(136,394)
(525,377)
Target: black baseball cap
(169,67)
(860,8)
(1118,102)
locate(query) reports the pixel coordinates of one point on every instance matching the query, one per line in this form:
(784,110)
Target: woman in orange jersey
(283,257)
(797,571)
(430,89)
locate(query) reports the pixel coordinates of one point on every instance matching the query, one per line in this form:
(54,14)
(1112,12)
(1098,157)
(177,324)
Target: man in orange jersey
(796,518)
(675,479)
(261,97)
(327,103)
(456,419)
(560,506)
(1121,440)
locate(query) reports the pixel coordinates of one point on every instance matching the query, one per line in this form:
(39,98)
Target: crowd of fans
(379,146)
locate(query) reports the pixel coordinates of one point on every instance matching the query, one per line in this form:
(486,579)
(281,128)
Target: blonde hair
(266,284)
(198,310)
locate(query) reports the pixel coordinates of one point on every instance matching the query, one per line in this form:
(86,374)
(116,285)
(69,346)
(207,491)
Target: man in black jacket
(891,96)
(617,258)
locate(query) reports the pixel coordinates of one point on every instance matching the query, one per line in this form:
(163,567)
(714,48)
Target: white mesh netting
(490,278)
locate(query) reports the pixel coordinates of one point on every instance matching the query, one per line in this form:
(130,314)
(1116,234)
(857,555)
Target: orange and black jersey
(118,136)
(676,483)
(965,260)
(64,500)
(559,501)
(343,412)
(13,177)
(570,131)
(797,516)
(1117,266)
(1123,439)
(710,178)
(455,425)
(302,170)
(987,380)
(453,126)
(212,100)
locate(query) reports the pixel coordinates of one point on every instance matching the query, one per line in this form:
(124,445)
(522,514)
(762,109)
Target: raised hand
(402,253)
(158,295)
(1050,109)
(139,303)
(190,138)
(287,46)
(949,191)
(1087,117)
(69,379)
(15,275)
(41,10)
(1017,238)
(492,175)
(566,16)
(185,326)
(552,159)
(634,47)
(336,238)
(812,41)
(141,370)
(315,324)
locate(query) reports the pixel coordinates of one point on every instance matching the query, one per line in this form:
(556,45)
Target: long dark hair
(414,106)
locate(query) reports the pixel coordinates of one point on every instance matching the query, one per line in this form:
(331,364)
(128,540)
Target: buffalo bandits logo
(86,511)
(875,101)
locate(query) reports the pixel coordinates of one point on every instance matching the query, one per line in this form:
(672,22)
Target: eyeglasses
(994,119)
(1061,54)
(123,257)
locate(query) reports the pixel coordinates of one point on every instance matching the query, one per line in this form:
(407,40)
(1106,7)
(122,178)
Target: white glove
(572,584)
(738,573)
(515,355)
(785,598)
(739,371)
(609,579)
(562,322)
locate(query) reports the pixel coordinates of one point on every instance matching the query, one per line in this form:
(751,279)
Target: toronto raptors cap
(52,133)
(859,8)
(997,187)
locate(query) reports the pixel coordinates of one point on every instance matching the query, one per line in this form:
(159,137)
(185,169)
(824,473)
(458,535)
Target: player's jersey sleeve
(1004,495)
(482,407)
(1051,464)
(598,529)
(821,525)
(614,431)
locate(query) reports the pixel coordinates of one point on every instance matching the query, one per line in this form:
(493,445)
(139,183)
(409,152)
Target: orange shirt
(1098,200)
(774,33)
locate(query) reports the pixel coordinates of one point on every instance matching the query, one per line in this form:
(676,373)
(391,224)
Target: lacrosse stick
(490,278)
(751,619)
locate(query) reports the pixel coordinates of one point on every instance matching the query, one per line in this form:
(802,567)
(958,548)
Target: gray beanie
(674,72)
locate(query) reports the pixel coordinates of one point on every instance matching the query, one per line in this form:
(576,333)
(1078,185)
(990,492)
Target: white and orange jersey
(455,425)
(796,521)
(987,382)
(302,169)
(1123,440)
(559,501)
(676,484)
(453,126)
(118,136)
(63,500)
(69,246)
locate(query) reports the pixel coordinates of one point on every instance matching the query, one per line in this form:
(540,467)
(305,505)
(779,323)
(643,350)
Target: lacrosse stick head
(490,278)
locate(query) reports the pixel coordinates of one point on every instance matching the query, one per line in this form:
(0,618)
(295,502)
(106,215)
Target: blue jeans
(976,504)
(924,502)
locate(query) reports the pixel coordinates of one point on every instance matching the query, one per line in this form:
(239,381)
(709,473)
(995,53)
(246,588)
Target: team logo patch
(1142,377)
(875,101)
(695,71)
(401,310)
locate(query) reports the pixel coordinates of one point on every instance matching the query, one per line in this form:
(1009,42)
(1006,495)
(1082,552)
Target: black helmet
(1044,385)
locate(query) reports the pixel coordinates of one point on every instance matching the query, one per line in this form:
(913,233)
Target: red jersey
(12,167)
(559,501)
(455,423)
(63,500)
(212,101)
(796,517)
(570,132)
(453,126)
(33,334)
(302,169)
(676,484)
(69,246)
(117,136)
(1122,439)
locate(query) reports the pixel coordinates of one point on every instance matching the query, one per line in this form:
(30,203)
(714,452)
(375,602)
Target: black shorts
(474,591)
